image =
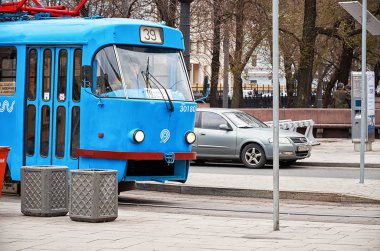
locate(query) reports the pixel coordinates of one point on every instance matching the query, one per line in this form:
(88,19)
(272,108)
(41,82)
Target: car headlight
(190,137)
(138,136)
(281,140)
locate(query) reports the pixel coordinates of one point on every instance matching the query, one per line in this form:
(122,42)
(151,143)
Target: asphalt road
(298,171)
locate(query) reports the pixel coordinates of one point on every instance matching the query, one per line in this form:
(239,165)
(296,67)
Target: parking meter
(356,111)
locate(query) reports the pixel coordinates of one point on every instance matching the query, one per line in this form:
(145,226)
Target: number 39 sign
(151,35)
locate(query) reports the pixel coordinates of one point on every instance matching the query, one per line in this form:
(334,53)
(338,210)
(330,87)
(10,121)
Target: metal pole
(226,51)
(276,190)
(363,127)
(184,26)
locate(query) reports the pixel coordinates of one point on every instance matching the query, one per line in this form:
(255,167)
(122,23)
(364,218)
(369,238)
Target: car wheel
(253,156)
(287,163)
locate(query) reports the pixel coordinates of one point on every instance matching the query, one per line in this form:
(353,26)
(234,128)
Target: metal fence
(259,101)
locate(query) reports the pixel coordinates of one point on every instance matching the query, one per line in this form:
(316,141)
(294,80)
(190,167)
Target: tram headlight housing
(138,136)
(190,137)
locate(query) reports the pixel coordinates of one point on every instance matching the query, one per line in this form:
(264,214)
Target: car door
(212,141)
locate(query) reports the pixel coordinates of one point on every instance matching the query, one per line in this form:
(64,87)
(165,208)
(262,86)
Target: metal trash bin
(4,150)
(93,195)
(44,190)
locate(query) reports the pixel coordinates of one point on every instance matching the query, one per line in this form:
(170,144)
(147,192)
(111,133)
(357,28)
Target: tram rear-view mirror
(86,75)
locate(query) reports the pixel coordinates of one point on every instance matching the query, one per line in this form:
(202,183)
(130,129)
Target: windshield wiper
(149,76)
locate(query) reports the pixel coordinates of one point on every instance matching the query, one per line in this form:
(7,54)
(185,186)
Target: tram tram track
(261,213)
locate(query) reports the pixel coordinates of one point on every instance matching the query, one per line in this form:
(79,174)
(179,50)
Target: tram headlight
(138,136)
(190,137)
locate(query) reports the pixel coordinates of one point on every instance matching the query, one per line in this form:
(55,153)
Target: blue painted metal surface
(114,119)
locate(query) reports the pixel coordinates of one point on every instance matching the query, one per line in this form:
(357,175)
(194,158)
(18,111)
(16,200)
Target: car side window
(212,120)
(198,120)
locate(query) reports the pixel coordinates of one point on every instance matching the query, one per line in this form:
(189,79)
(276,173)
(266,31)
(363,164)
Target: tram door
(53,106)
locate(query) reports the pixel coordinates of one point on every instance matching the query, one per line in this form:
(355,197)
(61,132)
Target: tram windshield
(141,73)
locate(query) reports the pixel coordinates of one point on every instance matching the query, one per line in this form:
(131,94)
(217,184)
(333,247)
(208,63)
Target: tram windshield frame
(137,72)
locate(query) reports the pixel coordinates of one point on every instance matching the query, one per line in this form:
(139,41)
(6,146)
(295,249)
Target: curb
(334,164)
(253,193)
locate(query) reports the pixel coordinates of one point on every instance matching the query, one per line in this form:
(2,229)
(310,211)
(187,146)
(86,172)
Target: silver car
(227,134)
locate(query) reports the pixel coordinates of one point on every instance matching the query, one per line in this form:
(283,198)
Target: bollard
(44,190)
(93,195)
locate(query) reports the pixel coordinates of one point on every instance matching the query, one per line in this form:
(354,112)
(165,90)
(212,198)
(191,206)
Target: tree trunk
(289,82)
(236,67)
(215,63)
(341,74)
(305,76)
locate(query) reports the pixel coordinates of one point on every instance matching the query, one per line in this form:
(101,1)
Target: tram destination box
(93,195)
(44,190)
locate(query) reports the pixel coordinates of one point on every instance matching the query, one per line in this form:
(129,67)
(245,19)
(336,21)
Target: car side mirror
(225,127)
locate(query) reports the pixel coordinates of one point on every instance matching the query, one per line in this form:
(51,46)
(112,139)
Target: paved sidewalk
(340,152)
(138,230)
(330,152)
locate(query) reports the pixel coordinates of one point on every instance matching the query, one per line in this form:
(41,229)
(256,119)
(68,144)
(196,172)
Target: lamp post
(184,26)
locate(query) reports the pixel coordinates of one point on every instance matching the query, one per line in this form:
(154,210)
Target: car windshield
(141,73)
(244,120)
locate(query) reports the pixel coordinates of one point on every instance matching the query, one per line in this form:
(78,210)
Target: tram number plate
(151,35)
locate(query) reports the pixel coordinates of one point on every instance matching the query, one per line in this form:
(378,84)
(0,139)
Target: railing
(264,100)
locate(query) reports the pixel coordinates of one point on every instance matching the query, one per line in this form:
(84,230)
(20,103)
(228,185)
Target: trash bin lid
(4,148)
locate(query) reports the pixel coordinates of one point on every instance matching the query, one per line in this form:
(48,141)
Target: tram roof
(99,31)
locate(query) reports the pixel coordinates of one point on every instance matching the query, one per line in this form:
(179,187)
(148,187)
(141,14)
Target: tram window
(46,75)
(75,123)
(77,74)
(62,75)
(30,130)
(7,71)
(108,81)
(32,75)
(45,131)
(60,135)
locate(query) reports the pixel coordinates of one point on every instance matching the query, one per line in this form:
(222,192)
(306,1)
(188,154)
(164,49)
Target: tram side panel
(12,108)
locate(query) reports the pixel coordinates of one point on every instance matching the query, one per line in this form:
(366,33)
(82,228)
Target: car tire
(287,163)
(253,156)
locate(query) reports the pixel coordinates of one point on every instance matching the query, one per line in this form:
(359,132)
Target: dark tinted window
(60,135)
(212,120)
(45,131)
(75,122)
(46,75)
(198,119)
(77,71)
(7,71)
(32,74)
(30,130)
(62,75)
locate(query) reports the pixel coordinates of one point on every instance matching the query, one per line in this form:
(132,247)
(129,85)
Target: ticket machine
(356,110)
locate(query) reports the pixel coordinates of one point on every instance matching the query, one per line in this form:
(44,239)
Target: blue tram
(96,93)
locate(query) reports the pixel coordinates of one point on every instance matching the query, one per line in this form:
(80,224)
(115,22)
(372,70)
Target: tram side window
(45,131)
(77,75)
(32,74)
(8,57)
(108,80)
(60,134)
(75,123)
(47,75)
(62,75)
(30,131)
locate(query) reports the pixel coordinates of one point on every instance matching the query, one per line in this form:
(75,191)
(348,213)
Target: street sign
(354,8)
